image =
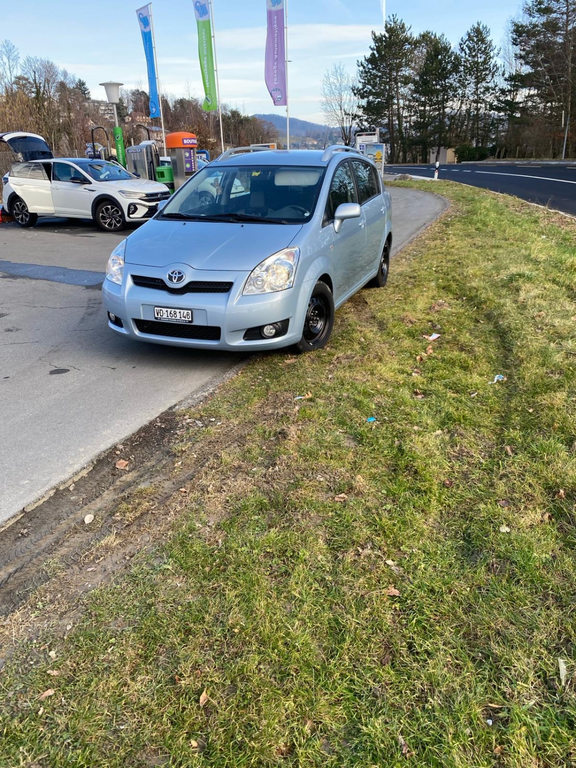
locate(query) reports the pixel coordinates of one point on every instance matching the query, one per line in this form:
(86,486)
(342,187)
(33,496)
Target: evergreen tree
(478,72)
(436,92)
(384,84)
(82,88)
(546,45)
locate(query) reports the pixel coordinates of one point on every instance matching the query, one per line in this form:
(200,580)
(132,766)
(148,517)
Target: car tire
(109,216)
(381,278)
(319,319)
(21,214)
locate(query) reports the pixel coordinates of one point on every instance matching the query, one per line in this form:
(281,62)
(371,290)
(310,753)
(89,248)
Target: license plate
(175,315)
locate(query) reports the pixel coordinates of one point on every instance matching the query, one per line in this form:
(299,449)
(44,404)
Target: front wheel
(319,319)
(110,217)
(22,215)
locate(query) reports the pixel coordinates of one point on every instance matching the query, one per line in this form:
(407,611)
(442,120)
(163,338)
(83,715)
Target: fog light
(132,208)
(269,331)
(115,320)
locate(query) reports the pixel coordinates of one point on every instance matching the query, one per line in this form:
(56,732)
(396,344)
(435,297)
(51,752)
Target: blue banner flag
(145,20)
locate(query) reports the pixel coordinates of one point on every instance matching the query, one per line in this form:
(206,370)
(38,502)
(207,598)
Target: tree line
(38,97)
(422,93)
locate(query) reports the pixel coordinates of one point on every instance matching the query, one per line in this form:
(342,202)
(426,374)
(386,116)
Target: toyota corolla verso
(254,252)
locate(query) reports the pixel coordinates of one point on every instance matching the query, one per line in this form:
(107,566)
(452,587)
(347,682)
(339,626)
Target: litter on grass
(498,377)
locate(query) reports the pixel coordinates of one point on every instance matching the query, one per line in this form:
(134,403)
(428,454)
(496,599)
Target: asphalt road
(549,184)
(69,387)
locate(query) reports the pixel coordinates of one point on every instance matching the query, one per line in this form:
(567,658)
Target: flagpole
(286,72)
(157,81)
(216,74)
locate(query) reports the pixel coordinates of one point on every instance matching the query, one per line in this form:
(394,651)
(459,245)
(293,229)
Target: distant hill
(302,128)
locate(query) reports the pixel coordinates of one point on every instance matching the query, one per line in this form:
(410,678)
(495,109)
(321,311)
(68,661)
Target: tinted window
(29,147)
(366,179)
(342,190)
(28,171)
(64,172)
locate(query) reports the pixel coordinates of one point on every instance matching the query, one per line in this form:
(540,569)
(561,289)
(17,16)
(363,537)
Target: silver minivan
(254,252)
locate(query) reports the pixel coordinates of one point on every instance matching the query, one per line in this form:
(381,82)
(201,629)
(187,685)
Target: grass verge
(376,566)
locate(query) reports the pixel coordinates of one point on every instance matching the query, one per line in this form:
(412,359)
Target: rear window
(28,171)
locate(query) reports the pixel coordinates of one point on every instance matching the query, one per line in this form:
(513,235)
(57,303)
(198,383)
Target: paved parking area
(69,387)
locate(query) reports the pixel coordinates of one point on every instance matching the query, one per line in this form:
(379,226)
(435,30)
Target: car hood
(134,185)
(207,245)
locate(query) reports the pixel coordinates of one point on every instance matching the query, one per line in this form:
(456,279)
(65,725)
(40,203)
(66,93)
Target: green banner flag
(206,55)
(120,147)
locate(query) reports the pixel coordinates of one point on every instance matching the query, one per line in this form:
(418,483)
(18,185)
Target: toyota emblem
(176,276)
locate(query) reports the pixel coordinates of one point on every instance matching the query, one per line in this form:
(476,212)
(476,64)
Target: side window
(37,171)
(28,171)
(64,172)
(366,179)
(342,190)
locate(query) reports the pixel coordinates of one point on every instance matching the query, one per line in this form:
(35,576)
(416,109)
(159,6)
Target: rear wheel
(22,215)
(382,275)
(110,217)
(319,319)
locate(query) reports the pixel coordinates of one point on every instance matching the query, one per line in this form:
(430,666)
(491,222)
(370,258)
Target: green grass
(343,592)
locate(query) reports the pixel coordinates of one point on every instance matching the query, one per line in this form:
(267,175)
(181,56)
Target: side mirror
(79,180)
(346,211)
(161,205)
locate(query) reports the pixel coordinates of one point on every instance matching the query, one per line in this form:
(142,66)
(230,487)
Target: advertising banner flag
(206,55)
(145,20)
(275,67)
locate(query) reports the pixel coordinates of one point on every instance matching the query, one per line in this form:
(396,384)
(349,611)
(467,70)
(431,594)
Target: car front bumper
(220,320)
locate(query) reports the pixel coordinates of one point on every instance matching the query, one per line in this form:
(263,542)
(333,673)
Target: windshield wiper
(178,215)
(235,217)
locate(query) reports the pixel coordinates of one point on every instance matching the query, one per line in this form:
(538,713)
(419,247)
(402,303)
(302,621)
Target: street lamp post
(113,97)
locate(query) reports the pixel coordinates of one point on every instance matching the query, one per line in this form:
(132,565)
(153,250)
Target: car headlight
(133,195)
(115,266)
(276,273)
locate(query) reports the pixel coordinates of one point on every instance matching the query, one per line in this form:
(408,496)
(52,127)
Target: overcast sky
(100,40)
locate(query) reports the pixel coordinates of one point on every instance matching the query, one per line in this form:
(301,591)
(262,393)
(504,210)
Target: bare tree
(9,63)
(339,102)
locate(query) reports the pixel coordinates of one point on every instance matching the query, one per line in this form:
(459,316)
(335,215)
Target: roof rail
(334,148)
(241,151)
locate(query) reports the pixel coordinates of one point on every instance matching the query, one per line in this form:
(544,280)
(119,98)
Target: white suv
(80,188)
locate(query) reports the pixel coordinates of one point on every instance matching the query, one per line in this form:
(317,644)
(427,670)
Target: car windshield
(268,194)
(100,170)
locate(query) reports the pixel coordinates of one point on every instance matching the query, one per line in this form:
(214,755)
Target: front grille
(179,330)
(194,286)
(152,197)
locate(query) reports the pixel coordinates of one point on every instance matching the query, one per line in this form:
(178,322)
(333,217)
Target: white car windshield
(101,170)
(269,194)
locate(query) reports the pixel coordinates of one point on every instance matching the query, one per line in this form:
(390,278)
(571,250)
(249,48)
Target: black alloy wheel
(110,217)
(319,319)
(22,215)
(381,277)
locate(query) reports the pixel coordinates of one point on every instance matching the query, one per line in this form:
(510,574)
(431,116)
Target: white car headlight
(115,266)
(276,273)
(132,195)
